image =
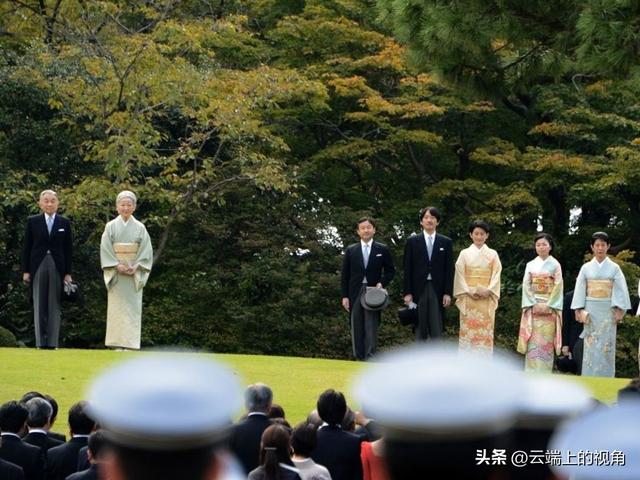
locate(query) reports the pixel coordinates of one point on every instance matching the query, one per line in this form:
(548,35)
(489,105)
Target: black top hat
(374,298)
(408,316)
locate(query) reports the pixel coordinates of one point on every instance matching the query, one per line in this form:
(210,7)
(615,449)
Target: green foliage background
(256,132)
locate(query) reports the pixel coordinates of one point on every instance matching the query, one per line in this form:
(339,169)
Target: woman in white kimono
(600,300)
(541,322)
(476,288)
(126,257)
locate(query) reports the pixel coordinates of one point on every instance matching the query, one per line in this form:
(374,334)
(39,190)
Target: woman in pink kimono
(541,322)
(476,288)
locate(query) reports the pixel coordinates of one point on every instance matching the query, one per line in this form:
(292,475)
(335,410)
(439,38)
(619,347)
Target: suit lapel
(42,221)
(358,254)
(436,244)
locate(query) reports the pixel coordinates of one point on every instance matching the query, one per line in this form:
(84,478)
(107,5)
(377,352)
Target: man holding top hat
(367,268)
(46,267)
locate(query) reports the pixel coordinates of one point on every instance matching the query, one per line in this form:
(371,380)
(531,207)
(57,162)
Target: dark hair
(600,236)
(547,237)
(433,211)
(276,411)
(13,416)
(332,406)
(349,421)
(97,443)
(39,412)
(314,419)
(274,450)
(54,406)
(631,391)
(139,464)
(304,439)
(29,395)
(366,219)
(79,422)
(479,224)
(282,422)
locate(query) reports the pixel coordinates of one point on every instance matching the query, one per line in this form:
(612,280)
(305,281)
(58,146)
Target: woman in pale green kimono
(126,257)
(600,300)
(541,322)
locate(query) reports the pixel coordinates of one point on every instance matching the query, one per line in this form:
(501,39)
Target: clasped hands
(480,292)
(126,269)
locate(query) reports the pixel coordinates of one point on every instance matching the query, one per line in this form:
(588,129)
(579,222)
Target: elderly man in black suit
(13,422)
(428,274)
(39,421)
(366,264)
(62,461)
(246,434)
(46,264)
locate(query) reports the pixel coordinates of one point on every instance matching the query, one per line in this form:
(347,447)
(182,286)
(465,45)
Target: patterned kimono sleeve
(620,293)
(528,300)
(580,290)
(556,298)
(460,286)
(496,270)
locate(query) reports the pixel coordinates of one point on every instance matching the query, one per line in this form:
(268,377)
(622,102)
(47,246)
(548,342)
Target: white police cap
(548,399)
(165,401)
(434,390)
(601,445)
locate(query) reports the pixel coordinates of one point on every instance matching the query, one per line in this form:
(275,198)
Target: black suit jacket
(417,266)
(379,269)
(30,458)
(10,471)
(41,440)
(245,440)
(83,459)
(57,436)
(62,461)
(571,328)
(38,241)
(339,451)
(89,474)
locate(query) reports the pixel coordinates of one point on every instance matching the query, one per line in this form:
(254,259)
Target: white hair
(48,192)
(127,194)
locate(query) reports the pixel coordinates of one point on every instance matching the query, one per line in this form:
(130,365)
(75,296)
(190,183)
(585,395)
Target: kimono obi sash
(542,283)
(477,276)
(126,252)
(599,288)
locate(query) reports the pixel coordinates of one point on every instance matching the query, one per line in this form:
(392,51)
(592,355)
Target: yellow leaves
(600,87)
(497,152)
(554,129)
(480,107)
(354,86)
(635,141)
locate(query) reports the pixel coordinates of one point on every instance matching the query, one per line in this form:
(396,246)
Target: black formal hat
(374,299)
(408,316)
(566,364)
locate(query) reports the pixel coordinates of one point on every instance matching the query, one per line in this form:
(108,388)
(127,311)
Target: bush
(7,339)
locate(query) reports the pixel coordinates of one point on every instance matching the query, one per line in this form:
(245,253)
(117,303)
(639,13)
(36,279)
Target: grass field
(296,382)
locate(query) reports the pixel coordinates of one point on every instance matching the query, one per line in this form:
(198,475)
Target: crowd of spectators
(437,420)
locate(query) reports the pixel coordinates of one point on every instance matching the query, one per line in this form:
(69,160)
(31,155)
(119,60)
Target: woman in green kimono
(600,300)
(126,257)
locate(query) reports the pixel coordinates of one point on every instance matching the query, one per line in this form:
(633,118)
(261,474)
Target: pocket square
(442,249)
(378,254)
(61,229)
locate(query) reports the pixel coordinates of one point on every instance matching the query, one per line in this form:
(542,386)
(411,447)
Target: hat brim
(366,306)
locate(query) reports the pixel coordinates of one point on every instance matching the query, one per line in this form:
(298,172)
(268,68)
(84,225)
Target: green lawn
(296,382)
